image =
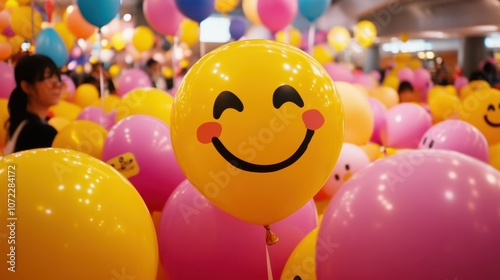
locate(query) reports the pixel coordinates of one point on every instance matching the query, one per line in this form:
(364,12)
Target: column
(471,53)
(372,59)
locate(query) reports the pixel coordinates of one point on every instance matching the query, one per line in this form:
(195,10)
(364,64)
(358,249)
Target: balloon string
(174,60)
(268,263)
(101,74)
(33,40)
(312,31)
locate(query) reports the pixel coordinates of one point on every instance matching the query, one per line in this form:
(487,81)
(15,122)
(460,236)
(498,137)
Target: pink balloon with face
(458,136)
(351,159)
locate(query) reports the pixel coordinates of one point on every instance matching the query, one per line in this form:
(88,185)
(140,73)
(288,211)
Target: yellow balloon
(292,37)
(402,58)
(250,11)
(143,38)
(259,138)
(358,114)
(405,37)
(16,41)
(11,5)
(391,81)
(415,64)
(472,87)
(4,116)
(189,32)
(387,95)
(86,215)
(66,35)
(373,151)
(118,41)
(86,95)
(114,70)
(443,107)
(66,110)
(226,6)
(59,123)
(146,101)
(365,33)
(495,156)
(302,261)
(168,72)
(482,110)
(111,102)
(339,38)
(322,54)
(438,90)
(82,136)
(23,2)
(21,23)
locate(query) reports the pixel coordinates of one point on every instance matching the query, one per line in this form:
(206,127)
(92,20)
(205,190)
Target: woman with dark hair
(38,87)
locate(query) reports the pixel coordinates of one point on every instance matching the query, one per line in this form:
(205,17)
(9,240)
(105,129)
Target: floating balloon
(379,114)
(291,36)
(99,12)
(49,43)
(194,239)
(458,136)
(313,9)
(86,95)
(365,33)
(197,10)
(339,38)
(74,198)
(404,125)
(237,27)
(65,110)
(448,204)
(189,32)
(66,35)
(250,11)
(322,54)
(26,22)
(132,79)
(69,87)
(339,72)
(295,113)
(387,95)
(7,80)
(162,15)
(302,261)
(145,101)
(82,136)
(143,38)
(97,115)
(140,148)
(277,14)
(226,6)
(81,28)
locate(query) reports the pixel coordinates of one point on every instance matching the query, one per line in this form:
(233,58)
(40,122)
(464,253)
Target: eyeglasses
(53,81)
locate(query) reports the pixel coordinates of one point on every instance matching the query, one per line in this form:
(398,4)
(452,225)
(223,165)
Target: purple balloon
(162,15)
(76,52)
(417,215)
(97,115)
(238,27)
(132,79)
(154,170)
(7,80)
(193,233)
(70,85)
(458,136)
(339,73)
(8,32)
(379,114)
(404,125)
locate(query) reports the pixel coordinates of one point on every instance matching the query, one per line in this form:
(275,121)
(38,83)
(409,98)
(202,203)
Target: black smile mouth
(260,168)
(490,123)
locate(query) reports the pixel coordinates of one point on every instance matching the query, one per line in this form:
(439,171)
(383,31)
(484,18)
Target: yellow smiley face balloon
(482,110)
(257,127)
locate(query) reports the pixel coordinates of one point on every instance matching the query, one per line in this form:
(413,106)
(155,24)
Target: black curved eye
(491,108)
(431,144)
(297,277)
(347,167)
(226,100)
(425,139)
(284,94)
(337,177)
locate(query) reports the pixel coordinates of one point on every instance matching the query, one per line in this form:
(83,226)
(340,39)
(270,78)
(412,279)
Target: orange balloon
(4,19)
(77,24)
(5,50)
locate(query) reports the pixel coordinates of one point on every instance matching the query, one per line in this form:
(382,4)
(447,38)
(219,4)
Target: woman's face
(48,91)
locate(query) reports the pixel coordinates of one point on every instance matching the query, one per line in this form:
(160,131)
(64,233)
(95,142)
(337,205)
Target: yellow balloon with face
(482,109)
(257,127)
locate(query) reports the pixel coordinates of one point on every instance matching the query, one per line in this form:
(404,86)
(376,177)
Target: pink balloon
(460,82)
(365,80)
(376,75)
(97,115)
(458,136)
(339,73)
(7,80)
(76,52)
(277,14)
(416,215)
(197,240)
(154,170)
(163,16)
(404,125)
(8,32)
(379,114)
(70,85)
(351,159)
(132,79)
(422,79)
(406,74)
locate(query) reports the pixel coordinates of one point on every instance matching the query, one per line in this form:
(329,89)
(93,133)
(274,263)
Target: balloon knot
(271,237)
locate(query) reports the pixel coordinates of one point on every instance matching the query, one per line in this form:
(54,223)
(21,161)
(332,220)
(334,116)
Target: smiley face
(249,120)
(481,108)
